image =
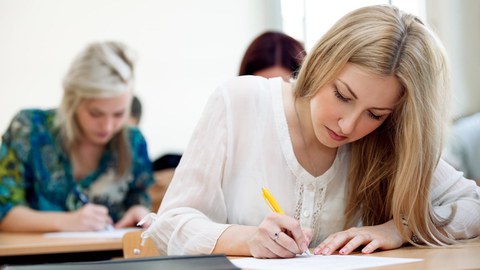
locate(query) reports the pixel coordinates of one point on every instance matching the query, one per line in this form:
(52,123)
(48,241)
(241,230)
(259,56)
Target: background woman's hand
(91,217)
(279,236)
(133,215)
(385,236)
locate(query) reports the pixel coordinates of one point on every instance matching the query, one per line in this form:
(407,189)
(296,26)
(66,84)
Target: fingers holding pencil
(291,236)
(279,236)
(301,236)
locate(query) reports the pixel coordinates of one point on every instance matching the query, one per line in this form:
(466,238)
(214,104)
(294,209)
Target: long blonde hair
(101,70)
(391,168)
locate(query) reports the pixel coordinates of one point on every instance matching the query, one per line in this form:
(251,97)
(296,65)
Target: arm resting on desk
(452,192)
(23,219)
(233,241)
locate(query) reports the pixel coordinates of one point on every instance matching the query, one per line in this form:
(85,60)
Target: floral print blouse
(35,170)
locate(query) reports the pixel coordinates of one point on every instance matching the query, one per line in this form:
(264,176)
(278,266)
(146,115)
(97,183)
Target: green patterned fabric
(35,171)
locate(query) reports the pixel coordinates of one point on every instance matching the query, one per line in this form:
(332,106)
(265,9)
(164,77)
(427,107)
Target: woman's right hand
(91,217)
(279,236)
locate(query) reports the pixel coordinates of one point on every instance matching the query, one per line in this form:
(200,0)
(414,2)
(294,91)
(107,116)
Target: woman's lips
(102,135)
(335,136)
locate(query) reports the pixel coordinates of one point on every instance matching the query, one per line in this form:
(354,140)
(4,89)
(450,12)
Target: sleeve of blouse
(193,213)
(14,153)
(450,191)
(141,171)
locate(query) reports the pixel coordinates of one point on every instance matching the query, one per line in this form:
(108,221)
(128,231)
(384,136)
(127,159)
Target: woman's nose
(107,124)
(348,122)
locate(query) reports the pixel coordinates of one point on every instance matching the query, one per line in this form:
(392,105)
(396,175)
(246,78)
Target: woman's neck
(85,158)
(314,157)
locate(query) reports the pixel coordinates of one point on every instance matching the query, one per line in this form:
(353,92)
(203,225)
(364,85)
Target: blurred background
(187,47)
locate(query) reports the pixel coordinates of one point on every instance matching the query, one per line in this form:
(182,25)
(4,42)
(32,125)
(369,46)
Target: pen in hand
(273,204)
(84,199)
(80,196)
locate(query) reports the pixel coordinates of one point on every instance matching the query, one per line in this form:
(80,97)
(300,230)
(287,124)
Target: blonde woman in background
(78,168)
(351,151)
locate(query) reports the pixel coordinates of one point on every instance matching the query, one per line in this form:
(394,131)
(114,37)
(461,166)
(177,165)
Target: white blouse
(242,144)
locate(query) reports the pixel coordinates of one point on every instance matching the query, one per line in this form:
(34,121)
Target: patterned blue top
(35,170)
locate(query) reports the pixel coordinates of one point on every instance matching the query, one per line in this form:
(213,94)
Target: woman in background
(78,168)
(273,54)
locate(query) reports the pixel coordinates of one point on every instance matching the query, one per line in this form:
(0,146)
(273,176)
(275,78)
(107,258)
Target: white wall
(185,47)
(457,24)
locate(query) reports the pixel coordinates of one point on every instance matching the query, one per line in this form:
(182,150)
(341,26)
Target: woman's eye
(340,96)
(95,114)
(374,116)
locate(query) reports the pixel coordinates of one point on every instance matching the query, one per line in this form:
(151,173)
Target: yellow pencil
(273,204)
(271,201)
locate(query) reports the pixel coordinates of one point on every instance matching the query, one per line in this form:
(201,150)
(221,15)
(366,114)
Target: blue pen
(84,199)
(80,196)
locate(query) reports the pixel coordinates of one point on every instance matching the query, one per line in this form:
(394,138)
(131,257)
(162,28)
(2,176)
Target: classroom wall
(185,49)
(457,24)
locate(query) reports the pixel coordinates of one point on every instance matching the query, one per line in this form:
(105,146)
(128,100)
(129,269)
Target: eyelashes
(340,97)
(96,114)
(374,116)
(344,99)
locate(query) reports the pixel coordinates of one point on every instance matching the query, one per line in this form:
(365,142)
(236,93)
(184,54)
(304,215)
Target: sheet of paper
(305,262)
(115,233)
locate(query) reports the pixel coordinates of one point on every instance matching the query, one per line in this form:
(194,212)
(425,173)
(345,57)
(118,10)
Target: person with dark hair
(163,170)
(135,112)
(273,54)
(166,161)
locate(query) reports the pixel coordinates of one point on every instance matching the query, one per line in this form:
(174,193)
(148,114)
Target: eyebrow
(355,96)
(99,110)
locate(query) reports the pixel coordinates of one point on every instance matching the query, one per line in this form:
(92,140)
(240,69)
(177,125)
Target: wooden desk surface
(14,244)
(18,244)
(462,257)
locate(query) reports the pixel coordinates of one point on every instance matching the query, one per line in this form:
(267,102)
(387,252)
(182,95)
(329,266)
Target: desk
(35,248)
(464,257)
(21,248)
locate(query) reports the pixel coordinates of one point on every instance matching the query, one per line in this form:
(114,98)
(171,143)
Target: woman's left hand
(385,236)
(132,217)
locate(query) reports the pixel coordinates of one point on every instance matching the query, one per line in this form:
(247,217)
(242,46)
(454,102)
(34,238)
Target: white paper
(115,233)
(305,262)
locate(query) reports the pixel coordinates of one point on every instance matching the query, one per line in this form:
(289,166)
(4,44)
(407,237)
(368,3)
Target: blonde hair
(391,168)
(101,70)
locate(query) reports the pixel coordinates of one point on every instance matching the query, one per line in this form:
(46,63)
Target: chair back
(132,247)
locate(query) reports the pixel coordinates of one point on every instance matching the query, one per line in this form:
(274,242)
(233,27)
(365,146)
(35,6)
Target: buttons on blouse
(308,205)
